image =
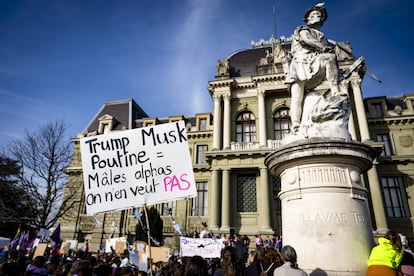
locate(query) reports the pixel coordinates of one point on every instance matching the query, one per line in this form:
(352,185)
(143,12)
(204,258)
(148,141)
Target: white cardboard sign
(135,167)
(206,248)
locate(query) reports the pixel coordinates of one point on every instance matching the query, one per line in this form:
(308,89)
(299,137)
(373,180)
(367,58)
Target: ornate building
(236,193)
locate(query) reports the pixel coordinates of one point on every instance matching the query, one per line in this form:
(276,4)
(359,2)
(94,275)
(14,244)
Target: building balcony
(245,146)
(87,223)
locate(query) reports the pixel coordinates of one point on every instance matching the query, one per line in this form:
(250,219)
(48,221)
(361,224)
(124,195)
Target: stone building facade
(236,193)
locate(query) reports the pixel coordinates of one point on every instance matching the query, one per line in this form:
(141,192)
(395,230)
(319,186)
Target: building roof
(244,63)
(124,112)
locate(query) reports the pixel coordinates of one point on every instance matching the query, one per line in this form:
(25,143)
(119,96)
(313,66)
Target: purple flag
(56,236)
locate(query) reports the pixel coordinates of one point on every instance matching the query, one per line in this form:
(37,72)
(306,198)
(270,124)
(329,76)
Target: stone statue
(281,55)
(268,59)
(222,67)
(313,61)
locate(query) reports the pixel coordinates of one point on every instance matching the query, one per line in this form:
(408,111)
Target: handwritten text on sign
(135,167)
(206,248)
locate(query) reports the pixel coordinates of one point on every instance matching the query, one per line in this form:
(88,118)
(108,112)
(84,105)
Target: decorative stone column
(360,110)
(217,122)
(264,202)
(225,202)
(226,124)
(375,187)
(214,207)
(377,202)
(324,208)
(262,118)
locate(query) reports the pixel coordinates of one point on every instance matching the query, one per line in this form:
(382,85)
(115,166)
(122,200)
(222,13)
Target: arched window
(282,123)
(246,127)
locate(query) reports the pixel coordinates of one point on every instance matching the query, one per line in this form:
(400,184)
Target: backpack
(265,272)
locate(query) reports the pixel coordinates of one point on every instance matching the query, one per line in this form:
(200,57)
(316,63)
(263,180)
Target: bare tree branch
(43,155)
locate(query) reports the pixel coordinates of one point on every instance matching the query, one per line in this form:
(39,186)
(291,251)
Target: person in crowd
(196,266)
(290,266)
(386,257)
(407,262)
(10,266)
(258,240)
(267,242)
(274,259)
(124,259)
(254,268)
(246,244)
(277,242)
(229,265)
(37,267)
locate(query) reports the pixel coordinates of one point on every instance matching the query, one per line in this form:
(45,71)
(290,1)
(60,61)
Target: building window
(246,127)
(376,110)
(202,124)
(385,138)
(246,193)
(201,154)
(393,196)
(200,204)
(281,120)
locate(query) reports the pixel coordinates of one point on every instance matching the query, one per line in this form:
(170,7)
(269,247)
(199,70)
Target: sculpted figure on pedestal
(313,61)
(222,67)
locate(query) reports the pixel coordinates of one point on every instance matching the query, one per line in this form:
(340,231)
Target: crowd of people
(391,256)
(237,258)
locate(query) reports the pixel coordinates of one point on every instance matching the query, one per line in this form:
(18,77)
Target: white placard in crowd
(135,167)
(206,248)
(110,244)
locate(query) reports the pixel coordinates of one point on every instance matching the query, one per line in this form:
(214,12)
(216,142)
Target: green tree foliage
(156,225)
(42,156)
(17,206)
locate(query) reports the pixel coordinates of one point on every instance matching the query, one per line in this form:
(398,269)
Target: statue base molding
(325,214)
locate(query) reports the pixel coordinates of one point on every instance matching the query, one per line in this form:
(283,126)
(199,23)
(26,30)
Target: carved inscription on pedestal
(324,217)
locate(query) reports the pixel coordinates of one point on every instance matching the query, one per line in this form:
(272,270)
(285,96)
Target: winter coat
(35,271)
(385,254)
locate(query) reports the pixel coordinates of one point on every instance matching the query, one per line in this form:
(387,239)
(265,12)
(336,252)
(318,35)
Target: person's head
(228,261)
(289,255)
(39,261)
(394,238)
(196,266)
(229,257)
(260,254)
(316,14)
(273,256)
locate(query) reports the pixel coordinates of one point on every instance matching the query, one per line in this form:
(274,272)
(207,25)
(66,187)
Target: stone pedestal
(325,215)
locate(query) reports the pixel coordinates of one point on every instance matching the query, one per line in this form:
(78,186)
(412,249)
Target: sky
(62,59)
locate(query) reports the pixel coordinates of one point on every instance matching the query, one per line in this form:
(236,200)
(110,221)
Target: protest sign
(142,262)
(64,248)
(206,248)
(137,167)
(120,246)
(112,243)
(160,254)
(40,250)
(133,257)
(43,232)
(140,246)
